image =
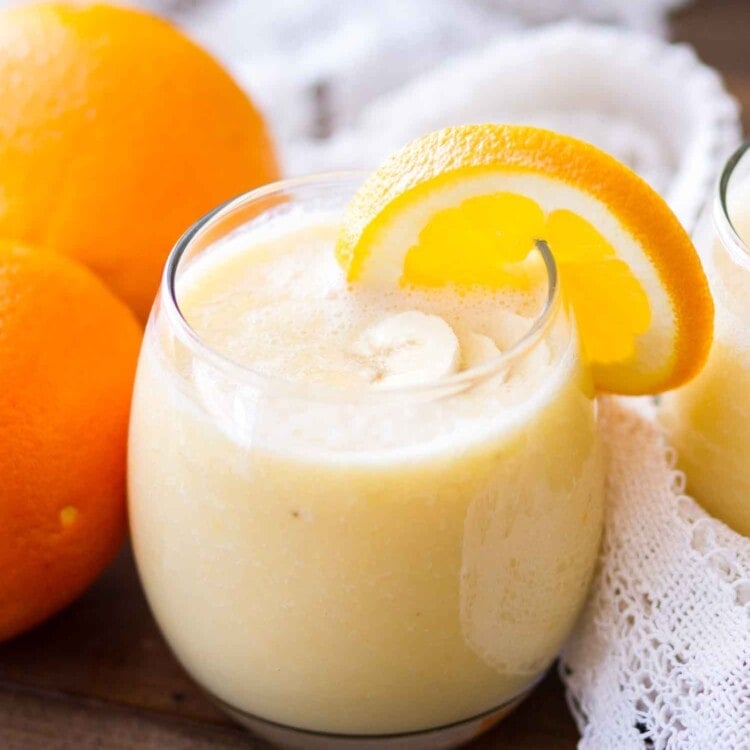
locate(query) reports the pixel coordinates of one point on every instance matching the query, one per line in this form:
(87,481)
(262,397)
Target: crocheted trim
(661,655)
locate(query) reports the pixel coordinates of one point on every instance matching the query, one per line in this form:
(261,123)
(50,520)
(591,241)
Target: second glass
(368,567)
(709,419)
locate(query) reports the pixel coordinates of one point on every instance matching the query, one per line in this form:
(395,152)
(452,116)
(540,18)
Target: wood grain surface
(99,676)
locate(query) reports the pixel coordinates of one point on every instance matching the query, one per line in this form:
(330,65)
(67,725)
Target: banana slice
(477,348)
(409,348)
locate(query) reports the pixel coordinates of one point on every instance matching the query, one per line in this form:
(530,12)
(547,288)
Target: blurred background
(315,65)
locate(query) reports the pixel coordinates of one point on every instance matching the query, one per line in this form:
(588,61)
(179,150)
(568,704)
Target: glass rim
(319,392)
(730,238)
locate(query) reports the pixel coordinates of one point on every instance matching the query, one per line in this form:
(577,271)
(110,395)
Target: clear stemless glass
(709,419)
(380,568)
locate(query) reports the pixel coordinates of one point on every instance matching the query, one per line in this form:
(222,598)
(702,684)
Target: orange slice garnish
(465,206)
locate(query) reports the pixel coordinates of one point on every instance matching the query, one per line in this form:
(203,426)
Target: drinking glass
(709,419)
(382,568)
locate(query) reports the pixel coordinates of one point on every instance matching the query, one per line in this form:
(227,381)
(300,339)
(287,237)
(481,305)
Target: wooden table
(99,675)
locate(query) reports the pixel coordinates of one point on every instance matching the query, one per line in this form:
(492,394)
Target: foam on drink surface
(279,304)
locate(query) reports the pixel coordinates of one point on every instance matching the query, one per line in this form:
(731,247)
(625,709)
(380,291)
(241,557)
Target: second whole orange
(68,350)
(116,133)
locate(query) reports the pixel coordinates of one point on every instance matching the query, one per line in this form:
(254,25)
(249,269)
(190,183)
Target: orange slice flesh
(464,206)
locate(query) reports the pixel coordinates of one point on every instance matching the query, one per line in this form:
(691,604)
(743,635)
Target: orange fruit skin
(116,134)
(68,350)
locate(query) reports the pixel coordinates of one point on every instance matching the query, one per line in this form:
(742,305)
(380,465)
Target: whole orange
(68,350)
(117,133)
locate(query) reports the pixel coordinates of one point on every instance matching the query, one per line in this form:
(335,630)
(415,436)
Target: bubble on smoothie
(280,305)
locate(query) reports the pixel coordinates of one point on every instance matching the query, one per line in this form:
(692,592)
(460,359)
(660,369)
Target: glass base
(439,738)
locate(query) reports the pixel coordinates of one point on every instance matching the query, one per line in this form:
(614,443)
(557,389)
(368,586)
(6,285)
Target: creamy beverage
(359,510)
(709,419)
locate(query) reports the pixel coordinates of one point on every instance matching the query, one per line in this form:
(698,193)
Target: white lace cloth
(296,55)
(661,656)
